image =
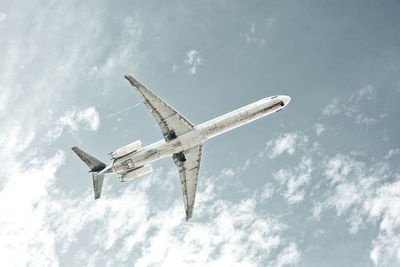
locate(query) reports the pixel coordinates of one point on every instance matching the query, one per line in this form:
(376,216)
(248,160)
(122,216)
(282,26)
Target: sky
(317,184)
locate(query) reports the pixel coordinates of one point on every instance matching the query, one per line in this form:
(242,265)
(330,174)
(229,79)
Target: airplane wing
(172,123)
(188,163)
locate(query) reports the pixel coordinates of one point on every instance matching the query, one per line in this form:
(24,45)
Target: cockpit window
(274,97)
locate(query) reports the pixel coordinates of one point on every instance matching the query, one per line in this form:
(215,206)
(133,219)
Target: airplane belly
(147,155)
(241,117)
(138,172)
(190,139)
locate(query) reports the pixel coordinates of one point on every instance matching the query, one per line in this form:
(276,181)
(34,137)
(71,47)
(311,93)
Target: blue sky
(317,184)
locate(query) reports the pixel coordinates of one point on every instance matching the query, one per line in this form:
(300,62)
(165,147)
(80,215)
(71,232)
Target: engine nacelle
(125,150)
(145,169)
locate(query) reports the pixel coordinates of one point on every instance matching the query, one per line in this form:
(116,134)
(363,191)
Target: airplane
(182,140)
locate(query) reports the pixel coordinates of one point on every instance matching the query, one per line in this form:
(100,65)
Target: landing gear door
(129,164)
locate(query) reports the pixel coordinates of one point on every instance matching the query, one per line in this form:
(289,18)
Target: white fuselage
(200,133)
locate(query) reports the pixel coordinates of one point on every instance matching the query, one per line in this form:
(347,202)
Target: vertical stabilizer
(95,167)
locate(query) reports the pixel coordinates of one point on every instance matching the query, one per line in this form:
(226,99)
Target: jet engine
(135,173)
(125,150)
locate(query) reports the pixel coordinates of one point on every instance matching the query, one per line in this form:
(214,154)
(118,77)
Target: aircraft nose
(286,99)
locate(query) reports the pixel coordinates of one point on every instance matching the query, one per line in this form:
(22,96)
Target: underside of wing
(188,163)
(172,123)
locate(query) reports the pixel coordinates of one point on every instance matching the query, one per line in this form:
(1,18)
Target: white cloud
(338,167)
(241,236)
(194,60)
(228,172)
(41,224)
(319,128)
(120,59)
(284,143)
(246,165)
(251,36)
(345,196)
(354,105)
(3,16)
(33,83)
(128,223)
(331,109)
(267,192)
(366,192)
(149,232)
(271,21)
(33,86)
(133,27)
(293,180)
(383,115)
(88,118)
(362,119)
(25,238)
(386,250)
(368,92)
(253,28)
(289,256)
(393,153)
(174,68)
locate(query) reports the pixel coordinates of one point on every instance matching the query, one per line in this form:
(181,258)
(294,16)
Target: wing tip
(133,81)
(188,216)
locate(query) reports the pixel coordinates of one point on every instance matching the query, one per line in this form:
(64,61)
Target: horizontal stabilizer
(95,166)
(97,184)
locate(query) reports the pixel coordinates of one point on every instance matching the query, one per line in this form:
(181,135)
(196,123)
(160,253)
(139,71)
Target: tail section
(95,167)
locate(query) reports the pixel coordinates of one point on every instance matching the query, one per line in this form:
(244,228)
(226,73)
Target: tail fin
(95,166)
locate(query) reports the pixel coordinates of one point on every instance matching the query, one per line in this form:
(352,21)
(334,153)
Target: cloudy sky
(317,184)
